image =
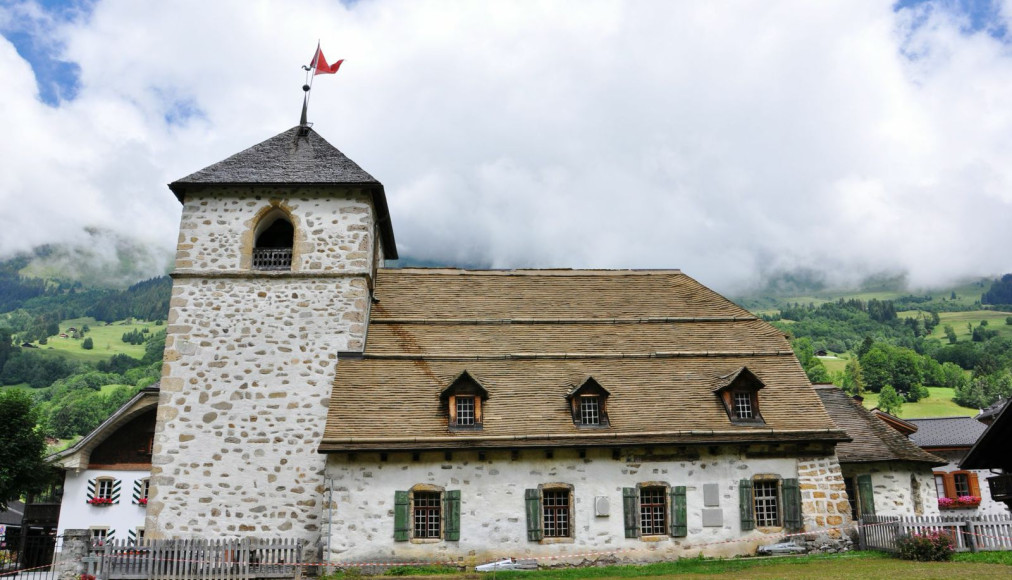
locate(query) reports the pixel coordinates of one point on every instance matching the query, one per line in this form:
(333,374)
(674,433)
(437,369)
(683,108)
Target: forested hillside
(898,346)
(81,352)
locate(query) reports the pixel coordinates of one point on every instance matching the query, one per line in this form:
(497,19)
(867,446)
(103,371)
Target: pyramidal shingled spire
(298,156)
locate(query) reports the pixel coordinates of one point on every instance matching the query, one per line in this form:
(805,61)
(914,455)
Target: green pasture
(967,294)
(835,364)
(938,404)
(107,339)
(959,320)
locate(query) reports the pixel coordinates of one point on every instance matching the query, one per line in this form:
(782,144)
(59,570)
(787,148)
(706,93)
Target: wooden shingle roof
(657,341)
(873,440)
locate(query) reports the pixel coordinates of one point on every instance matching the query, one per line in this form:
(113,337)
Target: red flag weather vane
(318,66)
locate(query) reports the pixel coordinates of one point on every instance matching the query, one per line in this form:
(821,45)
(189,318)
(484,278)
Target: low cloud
(733,140)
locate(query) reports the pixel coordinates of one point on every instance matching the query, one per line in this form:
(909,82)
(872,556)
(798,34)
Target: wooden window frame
(426,515)
(777,499)
(98,539)
(447,506)
(589,389)
(536,510)
(105,481)
(590,410)
(951,488)
(664,509)
(464,386)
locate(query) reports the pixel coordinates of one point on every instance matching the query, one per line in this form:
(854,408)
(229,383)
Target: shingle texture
(946,431)
(873,440)
(657,341)
(293,157)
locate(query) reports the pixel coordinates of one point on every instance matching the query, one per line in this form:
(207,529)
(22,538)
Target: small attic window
(463,403)
(739,392)
(274,240)
(588,403)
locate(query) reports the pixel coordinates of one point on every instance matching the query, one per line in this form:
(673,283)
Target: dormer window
(464,399)
(274,240)
(590,410)
(588,404)
(739,393)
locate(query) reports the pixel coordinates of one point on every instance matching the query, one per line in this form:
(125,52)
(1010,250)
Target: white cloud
(729,139)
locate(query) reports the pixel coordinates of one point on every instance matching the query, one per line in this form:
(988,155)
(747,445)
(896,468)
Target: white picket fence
(972,533)
(244,559)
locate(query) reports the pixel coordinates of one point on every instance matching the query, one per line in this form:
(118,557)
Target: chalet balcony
(1001,487)
(272,258)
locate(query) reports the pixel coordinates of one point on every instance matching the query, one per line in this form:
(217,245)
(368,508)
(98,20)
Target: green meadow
(106,337)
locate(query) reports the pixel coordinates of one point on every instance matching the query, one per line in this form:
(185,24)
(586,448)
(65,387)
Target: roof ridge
(533,271)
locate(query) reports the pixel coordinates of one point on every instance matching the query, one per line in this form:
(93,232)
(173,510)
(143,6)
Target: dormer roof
(740,375)
(298,156)
(467,377)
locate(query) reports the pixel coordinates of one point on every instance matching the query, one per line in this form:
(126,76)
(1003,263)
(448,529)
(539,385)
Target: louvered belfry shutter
(532,503)
(630,513)
(792,504)
(401,505)
(451,529)
(679,517)
(866,494)
(745,504)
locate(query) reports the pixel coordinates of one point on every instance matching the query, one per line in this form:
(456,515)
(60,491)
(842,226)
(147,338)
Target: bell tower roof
(298,156)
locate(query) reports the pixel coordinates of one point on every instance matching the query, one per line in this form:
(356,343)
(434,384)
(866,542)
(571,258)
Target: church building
(416,414)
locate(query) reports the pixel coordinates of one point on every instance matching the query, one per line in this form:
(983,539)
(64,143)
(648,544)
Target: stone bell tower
(278,247)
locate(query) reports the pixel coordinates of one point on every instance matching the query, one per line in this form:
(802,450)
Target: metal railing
(272,258)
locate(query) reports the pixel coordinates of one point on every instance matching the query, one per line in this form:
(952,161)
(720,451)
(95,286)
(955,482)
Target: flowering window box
(960,503)
(101,501)
(142,501)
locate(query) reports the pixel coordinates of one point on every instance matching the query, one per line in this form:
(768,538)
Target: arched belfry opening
(272,248)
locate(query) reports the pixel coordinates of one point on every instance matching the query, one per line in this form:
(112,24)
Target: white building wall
(77,514)
(900,488)
(493,521)
(987,505)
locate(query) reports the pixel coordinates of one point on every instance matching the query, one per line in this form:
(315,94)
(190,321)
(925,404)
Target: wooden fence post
(971,536)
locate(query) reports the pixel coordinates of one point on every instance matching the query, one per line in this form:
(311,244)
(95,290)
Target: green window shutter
(451,507)
(401,506)
(745,505)
(532,501)
(867,495)
(679,518)
(792,504)
(630,512)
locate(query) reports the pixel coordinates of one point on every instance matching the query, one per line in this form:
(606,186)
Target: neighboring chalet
(992,452)
(951,438)
(415,414)
(107,472)
(884,472)
(10,525)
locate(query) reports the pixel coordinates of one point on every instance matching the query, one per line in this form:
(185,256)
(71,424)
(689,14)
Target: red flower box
(100,501)
(142,501)
(961,502)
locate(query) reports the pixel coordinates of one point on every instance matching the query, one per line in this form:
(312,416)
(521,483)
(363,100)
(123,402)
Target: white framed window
(99,535)
(743,405)
(766,502)
(590,410)
(104,488)
(465,411)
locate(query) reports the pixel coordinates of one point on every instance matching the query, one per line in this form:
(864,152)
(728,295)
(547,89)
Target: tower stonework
(254,331)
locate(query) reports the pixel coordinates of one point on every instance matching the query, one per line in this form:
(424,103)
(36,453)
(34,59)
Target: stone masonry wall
(824,502)
(493,522)
(900,488)
(250,360)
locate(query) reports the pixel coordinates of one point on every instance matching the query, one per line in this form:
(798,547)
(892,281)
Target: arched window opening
(273,249)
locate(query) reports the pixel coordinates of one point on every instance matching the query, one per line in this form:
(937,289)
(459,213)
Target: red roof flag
(319,63)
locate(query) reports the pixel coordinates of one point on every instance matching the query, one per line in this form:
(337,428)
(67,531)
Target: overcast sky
(733,140)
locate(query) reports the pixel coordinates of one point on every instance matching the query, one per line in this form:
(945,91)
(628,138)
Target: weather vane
(318,66)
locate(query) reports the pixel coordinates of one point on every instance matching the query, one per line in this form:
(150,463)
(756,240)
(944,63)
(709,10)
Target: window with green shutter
(630,512)
(745,504)
(402,505)
(679,517)
(451,528)
(792,504)
(866,495)
(532,504)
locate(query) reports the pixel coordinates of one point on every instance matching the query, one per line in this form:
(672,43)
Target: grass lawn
(108,340)
(959,320)
(939,404)
(835,364)
(827,567)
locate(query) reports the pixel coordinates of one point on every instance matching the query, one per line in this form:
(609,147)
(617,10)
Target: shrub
(930,547)
(88,344)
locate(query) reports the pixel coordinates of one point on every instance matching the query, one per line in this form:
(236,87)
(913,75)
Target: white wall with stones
(250,359)
(988,506)
(493,521)
(899,488)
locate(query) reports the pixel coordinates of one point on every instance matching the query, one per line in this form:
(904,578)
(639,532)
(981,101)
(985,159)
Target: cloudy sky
(734,140)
